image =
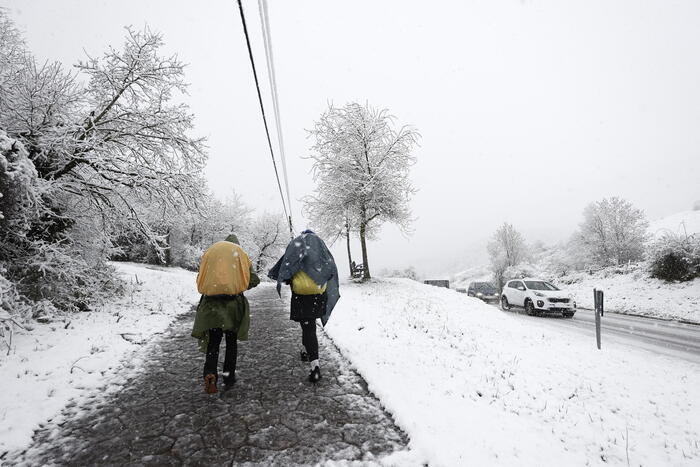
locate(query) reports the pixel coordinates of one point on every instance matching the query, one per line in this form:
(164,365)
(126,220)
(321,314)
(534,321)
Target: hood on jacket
(232,238)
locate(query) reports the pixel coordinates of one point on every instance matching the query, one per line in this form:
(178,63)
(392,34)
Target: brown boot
(210,384)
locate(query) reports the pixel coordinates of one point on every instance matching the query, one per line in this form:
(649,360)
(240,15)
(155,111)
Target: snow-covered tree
(613,232)
(84,154)
(361,165)
(331,215)
(506,250)
(265,240)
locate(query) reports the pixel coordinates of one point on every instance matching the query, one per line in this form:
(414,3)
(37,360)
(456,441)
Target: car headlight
(479,294)
(538,294)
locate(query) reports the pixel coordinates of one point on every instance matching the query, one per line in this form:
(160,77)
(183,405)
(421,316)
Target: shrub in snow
(14,311)
(188,257)
(408,273)
(20,192)
(675,257)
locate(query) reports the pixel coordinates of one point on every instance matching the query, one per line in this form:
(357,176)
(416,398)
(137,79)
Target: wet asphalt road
(669,338)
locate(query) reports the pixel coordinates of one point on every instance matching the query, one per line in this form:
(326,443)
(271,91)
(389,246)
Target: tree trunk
(168,254)
(365,261)
(347,237)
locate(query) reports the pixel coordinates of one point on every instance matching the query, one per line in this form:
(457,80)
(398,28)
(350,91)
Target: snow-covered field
(636,293)
(474,386)
(69,360)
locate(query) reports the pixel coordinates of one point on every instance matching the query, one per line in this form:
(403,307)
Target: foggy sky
(528,110)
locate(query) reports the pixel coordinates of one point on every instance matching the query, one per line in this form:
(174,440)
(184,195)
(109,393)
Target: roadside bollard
(598,306)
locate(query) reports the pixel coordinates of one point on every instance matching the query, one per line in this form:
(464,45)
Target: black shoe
(315,375)
(304,356)
(229,381)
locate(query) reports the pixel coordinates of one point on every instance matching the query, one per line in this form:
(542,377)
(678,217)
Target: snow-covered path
(272,416)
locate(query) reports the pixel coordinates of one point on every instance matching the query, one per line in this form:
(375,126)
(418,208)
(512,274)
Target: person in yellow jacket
(224,274)
(308,266)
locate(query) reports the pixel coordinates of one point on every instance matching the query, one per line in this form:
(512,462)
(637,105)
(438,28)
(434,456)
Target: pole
(598,307)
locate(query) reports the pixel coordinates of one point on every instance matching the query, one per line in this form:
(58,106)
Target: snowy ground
(627,290)
(65,361)
(473,386)
(636,293)
(468,383)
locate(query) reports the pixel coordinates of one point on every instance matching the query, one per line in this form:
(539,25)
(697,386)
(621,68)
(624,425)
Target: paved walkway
(273,416)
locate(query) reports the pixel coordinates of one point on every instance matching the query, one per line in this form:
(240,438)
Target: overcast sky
(528,109)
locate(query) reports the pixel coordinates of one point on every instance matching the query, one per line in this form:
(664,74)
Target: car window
(517,284)
(540,285)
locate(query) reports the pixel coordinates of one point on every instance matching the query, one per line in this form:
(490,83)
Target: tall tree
(361,165)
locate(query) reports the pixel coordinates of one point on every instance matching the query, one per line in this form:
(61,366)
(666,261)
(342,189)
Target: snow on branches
(85,156)
(361,166)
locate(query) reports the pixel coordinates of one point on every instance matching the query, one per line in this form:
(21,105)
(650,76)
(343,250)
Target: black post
(597,301)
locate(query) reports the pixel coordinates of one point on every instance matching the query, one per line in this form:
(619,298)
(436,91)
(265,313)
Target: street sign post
(598,306)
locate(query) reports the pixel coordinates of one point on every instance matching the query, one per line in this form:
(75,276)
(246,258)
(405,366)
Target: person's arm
(254,279)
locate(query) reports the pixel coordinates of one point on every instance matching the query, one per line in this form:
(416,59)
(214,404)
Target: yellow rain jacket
(302,284)
(224,270)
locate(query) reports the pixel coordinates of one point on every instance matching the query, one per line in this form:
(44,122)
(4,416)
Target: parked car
(537,297)
(483,290)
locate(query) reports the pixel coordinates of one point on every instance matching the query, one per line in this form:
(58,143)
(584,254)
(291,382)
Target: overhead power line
(262,110)
(267,40)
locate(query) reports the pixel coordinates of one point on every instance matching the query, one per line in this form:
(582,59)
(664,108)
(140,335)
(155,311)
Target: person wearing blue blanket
(309,268)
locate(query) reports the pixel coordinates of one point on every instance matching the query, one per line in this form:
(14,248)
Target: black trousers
(309,339)
(212,360)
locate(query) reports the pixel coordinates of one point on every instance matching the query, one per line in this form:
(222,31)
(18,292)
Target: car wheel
(568,315)
(529,307)
(505,306)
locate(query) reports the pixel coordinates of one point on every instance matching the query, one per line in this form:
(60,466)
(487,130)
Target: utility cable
(267,40)
(262,110)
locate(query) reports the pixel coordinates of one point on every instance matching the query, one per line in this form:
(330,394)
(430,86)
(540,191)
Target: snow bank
(67,361)
(634,292)
(475,386)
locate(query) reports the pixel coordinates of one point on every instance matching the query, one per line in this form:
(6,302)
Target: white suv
(537,297)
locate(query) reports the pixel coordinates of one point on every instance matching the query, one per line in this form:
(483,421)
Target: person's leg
(211,361)
(231,357)
(309,339)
